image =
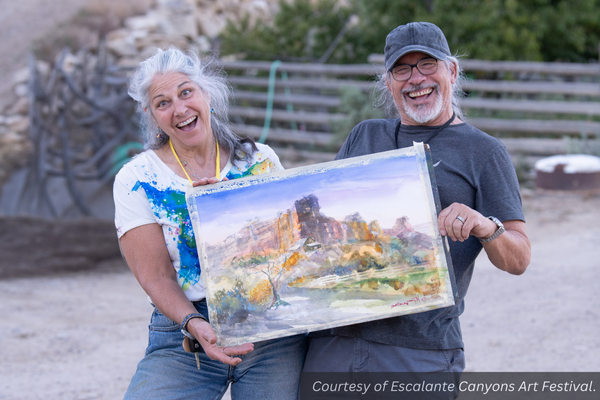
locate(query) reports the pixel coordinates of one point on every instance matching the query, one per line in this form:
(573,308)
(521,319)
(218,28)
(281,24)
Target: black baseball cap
(423,37)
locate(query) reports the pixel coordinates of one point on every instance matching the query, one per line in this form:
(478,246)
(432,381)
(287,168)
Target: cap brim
(411,49)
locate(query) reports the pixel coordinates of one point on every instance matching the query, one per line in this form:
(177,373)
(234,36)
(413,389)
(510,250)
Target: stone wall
(185,24)
(182,23)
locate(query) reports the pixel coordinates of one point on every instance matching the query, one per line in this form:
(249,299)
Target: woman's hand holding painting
(207,181)
(205,335)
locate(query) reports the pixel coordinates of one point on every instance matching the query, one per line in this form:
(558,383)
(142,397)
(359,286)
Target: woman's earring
(212,110)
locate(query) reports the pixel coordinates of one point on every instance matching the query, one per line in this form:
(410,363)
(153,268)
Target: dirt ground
(80,335)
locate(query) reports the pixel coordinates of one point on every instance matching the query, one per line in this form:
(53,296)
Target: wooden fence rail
(519,99)
(555,68)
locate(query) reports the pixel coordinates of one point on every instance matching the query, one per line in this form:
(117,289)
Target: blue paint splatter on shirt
(172,203)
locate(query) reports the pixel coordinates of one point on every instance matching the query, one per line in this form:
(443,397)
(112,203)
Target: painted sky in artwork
(383,190)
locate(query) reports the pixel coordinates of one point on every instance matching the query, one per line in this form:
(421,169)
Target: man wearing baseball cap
(480,200)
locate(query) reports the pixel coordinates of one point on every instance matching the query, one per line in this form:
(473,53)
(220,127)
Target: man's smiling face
(423,99)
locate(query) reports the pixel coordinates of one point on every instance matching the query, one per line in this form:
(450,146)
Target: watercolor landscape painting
(321,246)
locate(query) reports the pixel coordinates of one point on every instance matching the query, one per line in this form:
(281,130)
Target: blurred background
(304,73)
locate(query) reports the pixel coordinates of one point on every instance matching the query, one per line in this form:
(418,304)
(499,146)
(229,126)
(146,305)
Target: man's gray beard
(424,114)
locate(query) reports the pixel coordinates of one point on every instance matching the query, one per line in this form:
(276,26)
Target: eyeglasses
(403,72)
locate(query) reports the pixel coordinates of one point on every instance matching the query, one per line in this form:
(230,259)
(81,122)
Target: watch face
(496,221)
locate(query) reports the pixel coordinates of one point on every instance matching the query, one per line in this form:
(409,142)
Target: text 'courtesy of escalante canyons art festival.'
(321,246)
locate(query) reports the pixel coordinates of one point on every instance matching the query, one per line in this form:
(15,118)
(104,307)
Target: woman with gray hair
(183,105)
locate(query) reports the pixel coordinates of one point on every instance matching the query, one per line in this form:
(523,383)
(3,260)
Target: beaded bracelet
(189,317)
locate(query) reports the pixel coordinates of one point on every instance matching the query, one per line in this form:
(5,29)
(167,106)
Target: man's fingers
(456,229)
(456,221)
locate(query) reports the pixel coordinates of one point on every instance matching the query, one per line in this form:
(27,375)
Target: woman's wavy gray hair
(386,103)
(211,80)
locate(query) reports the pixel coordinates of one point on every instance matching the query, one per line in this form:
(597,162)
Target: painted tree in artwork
(267,291)
(273,272)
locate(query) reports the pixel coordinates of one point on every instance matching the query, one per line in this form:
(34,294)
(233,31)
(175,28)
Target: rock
(149,22)
(258,9)
(21,106)
(14,153)
(152,41)
(178,17)
(21,76)
(203,44)
(21,89)
(128,62)
(70,62)
(211,24)
(9,138)
(43,67)
(121,43)
(17,123)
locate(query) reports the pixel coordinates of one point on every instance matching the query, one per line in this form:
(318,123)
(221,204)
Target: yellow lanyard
(185,172)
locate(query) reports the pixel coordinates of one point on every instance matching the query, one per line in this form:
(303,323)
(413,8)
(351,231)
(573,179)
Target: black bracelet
(189,317)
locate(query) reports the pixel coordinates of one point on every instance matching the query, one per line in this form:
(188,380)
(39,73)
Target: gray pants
(342,354)
(340,360)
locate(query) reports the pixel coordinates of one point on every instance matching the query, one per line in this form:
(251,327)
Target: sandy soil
(79,336)
(546,319)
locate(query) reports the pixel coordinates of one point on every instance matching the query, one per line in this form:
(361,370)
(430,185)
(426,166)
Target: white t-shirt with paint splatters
(147,191)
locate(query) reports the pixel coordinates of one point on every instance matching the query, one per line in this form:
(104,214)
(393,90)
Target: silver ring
(458,217)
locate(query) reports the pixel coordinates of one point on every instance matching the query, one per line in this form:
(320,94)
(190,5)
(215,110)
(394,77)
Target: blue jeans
(167,372)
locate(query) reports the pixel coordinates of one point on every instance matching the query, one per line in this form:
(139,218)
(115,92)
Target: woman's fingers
(227,354)
(238,350)
(206,181)
(207,338)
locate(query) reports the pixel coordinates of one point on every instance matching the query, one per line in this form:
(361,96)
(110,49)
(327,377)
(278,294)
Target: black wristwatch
(498,232)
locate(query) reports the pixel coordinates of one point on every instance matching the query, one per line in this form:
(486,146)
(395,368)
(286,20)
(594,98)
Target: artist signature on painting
(415,300)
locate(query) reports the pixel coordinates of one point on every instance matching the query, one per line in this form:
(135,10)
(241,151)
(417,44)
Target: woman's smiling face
(181,109)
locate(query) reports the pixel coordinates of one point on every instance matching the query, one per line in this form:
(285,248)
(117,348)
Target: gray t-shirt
(470,167)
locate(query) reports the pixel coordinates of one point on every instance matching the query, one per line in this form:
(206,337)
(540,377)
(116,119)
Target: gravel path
(80,336)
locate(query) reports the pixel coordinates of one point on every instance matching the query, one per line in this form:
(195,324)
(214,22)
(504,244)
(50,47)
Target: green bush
(528,30)
(358,106)
(301,32)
